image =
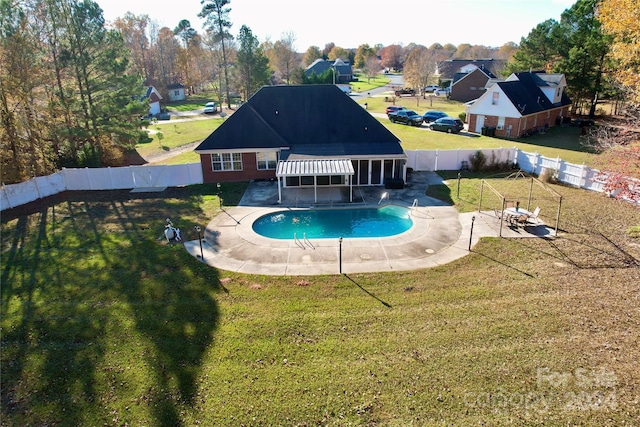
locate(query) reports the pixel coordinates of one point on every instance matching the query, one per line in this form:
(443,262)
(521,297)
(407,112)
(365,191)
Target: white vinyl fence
(581,176)
(100,179)
(187,174)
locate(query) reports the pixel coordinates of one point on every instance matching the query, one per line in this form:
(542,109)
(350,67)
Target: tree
(165,51)
(575,46)
(252,63)
(284,56)
(462,51)
(372,67)
(311,55)
(621,19)
(185,32)
(618,145)
(23,152)
(217,20)
(583,48)
(69,95)
(363,53)
(419,67)
(392,57)
(134,33)
(327,49)
(338,53)
(619,142)
(507,51)
(537,51)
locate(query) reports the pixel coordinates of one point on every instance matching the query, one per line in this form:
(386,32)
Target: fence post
(6,196)
(110,177)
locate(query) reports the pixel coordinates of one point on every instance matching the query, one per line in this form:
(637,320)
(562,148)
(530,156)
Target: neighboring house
(470,85)
(305,136)
(524,102)
(154,98)
(446,70)
(176,92)
(342,69)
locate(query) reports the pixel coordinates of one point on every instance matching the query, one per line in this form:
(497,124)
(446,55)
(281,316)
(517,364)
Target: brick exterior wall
(461,91)
(249,170)
(518,126)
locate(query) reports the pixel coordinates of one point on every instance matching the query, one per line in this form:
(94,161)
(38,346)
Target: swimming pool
(332,223)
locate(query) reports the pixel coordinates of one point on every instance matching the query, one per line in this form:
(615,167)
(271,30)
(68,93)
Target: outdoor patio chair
(522,220)
(535,214)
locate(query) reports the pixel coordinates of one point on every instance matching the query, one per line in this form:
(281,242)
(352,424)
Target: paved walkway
(439,234)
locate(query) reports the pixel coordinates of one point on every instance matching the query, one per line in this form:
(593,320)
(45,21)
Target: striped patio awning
(322,167)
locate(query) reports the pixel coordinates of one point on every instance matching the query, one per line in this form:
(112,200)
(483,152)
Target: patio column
(279,192)
(315,188)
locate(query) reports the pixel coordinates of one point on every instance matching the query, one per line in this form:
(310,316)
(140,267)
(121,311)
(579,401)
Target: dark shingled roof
(313,120)
(448,68)
(526,95)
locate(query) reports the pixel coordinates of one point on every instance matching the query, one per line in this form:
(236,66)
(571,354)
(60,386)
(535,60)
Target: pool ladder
(385,195)
(414,205)
(304,242)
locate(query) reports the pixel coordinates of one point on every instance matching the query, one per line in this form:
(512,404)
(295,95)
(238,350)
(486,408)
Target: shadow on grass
(386,304)
(96,311)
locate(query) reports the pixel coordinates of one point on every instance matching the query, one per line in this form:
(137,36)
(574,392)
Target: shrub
(549,176)
(478,161)
(463,117)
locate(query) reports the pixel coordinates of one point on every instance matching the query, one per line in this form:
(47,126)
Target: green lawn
(193,102)
(176,134)
(103,323)
(364,84)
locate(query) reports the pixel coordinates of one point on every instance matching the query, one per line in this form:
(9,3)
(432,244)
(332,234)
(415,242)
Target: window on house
(500,123)
(267,160)
(226,161)
(494,100)
(176,92)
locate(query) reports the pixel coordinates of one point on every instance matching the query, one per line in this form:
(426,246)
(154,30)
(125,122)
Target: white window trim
(264,156)
(234,158)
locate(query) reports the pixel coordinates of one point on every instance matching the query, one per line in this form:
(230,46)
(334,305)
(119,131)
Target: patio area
(438,236)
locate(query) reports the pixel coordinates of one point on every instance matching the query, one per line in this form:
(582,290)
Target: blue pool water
(328,223)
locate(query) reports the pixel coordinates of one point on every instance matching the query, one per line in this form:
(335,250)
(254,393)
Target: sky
(351,23)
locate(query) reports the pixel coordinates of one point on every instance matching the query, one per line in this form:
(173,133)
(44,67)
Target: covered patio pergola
(512,190)
(315,172)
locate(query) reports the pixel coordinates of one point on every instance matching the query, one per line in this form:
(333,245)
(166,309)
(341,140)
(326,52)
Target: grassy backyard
(103,323)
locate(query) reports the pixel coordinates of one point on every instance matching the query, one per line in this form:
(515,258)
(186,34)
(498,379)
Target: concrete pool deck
(439,234)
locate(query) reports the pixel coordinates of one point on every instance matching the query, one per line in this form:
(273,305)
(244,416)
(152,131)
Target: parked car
(441,91)
(433,115)
(447,124)
(431,88)
(408,117)
(405,91)
(210,108)
(394,108)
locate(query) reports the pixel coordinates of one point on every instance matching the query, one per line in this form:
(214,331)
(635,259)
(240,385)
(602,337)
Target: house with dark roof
(524,102)
(304,136)
(154,98)
(446,70)
(343,72)
(470,85)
